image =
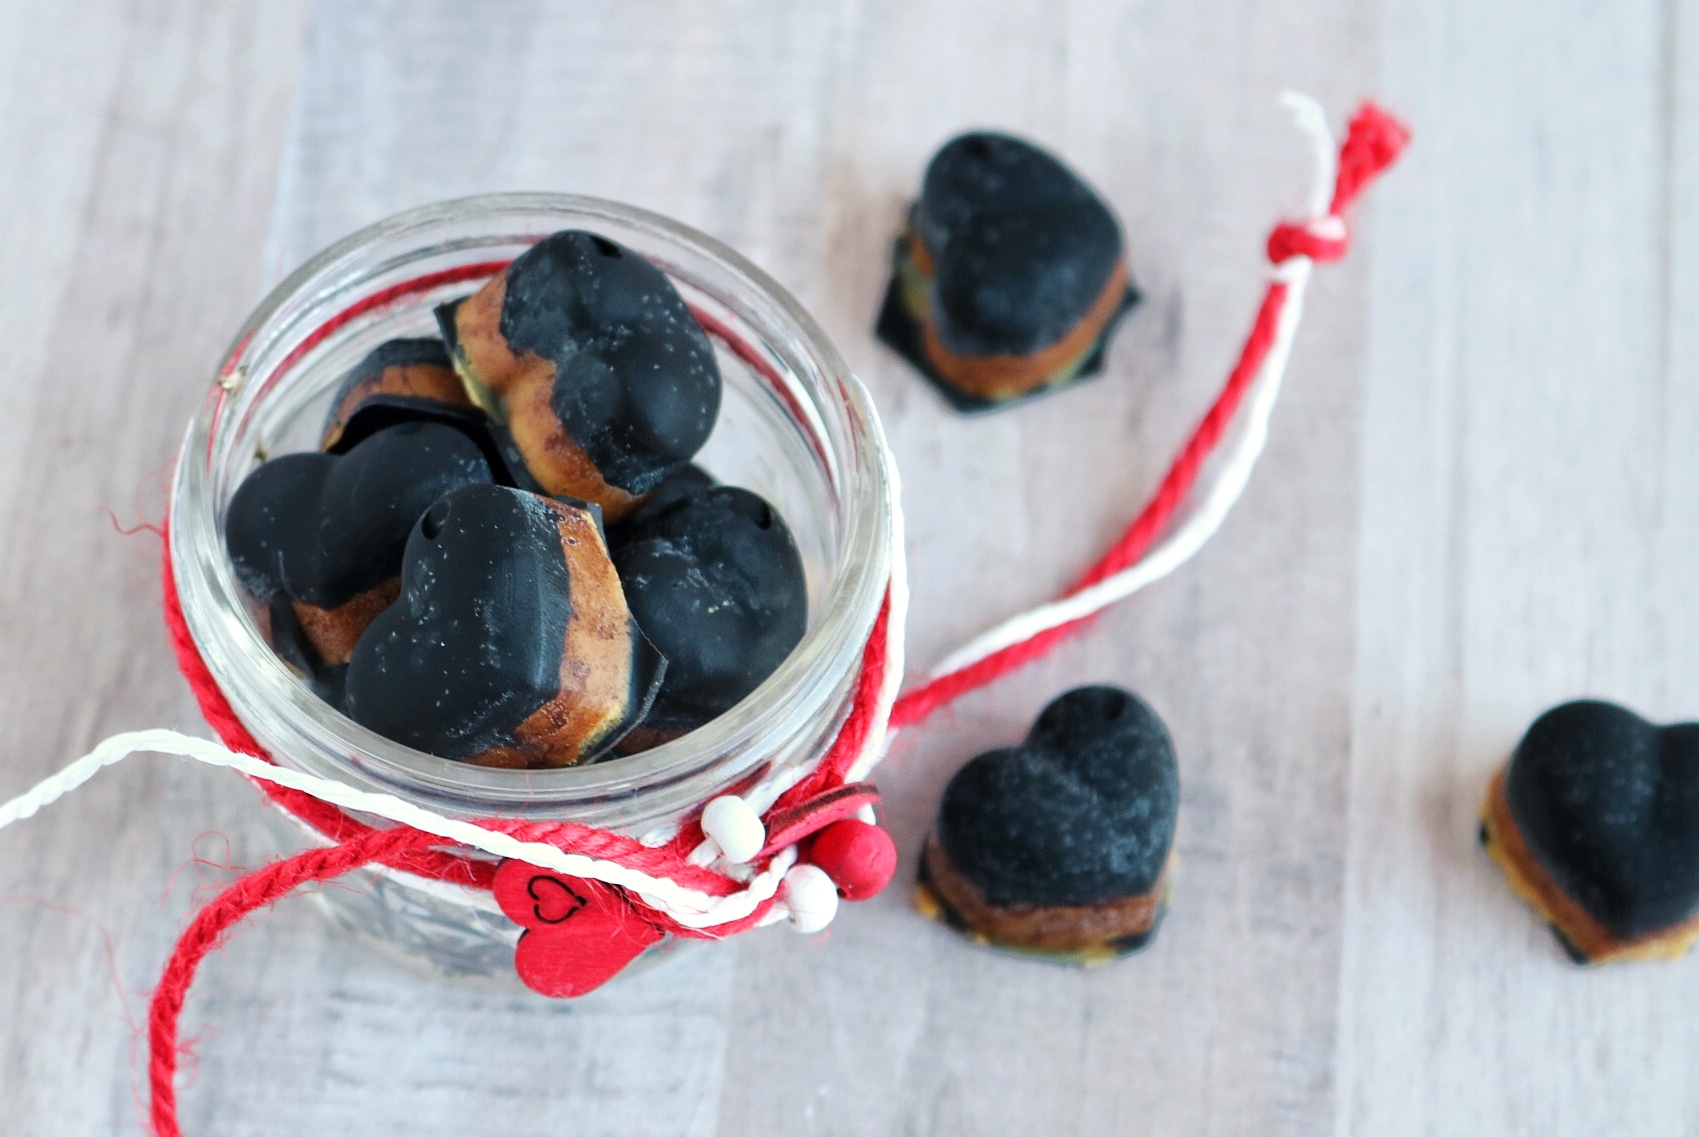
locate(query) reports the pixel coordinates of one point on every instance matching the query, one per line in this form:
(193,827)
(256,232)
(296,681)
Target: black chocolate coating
(1609,804)
(1080,813)
(322,528)
(714,579)
(636,382)
(1021,247)
(472,647)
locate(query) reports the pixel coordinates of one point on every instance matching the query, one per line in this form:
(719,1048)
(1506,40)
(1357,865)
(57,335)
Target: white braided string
(688,906)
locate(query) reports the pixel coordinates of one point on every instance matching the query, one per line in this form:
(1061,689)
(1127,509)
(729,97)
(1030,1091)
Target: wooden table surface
(1481,497)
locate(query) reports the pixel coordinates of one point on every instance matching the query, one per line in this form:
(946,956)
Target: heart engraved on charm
(578,933)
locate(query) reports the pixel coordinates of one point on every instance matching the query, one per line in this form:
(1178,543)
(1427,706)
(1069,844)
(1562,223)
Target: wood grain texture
(142,142)
(1479,498)
(1530,534)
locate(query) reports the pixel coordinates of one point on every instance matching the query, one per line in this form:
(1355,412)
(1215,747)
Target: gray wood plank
(144,141)
(1529,535)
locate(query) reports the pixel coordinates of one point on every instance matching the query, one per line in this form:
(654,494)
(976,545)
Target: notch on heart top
(1595,821)
(1061,846)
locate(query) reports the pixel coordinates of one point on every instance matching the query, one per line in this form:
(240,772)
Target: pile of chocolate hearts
(502,553)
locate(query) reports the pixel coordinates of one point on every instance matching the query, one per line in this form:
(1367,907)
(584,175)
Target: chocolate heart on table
(1608,804)
(1080,813)
(510,643)
(578,933)
(600,382)
(1011,276)
(325,532)
(714,579)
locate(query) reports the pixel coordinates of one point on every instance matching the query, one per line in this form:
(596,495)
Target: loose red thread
(131,531)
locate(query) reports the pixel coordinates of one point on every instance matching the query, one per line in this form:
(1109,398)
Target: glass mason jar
(795,426)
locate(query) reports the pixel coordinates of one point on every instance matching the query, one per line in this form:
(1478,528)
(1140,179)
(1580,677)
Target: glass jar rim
(670,777)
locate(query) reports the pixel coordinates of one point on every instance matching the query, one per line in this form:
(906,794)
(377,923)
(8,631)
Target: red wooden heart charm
(578,933)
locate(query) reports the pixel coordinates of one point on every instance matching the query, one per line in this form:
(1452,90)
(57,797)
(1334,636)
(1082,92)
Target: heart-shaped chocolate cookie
(326,531)
(714,579)
(600,382)
(510,643)
(1596,821)
(1010,277)
(1061,845)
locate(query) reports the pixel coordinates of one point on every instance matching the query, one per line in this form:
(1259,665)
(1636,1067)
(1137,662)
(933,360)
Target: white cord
(688,906)
(1312,120)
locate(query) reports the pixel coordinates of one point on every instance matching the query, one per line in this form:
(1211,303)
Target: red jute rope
(1372,144)
(207,931)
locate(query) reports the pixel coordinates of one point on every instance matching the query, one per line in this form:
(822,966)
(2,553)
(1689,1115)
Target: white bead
(811,897)
(735,827)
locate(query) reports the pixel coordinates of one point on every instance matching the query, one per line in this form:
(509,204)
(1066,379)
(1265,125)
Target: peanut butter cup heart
(510,643)
(1595,821)
(714,578)
(1061,845)
(401,380)
(599,381)
(317,539)
(1010,277)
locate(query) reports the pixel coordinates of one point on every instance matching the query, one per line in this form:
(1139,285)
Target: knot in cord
(1322,239)
(1372,143)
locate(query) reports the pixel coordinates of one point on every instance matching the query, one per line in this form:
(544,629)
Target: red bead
(860,858)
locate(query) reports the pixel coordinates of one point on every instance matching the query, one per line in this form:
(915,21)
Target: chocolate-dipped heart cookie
(1595,821)
(1010,277)
(1061,846)
(402,380)
(600,382)
(317,539)
(510,643)
(714,579)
